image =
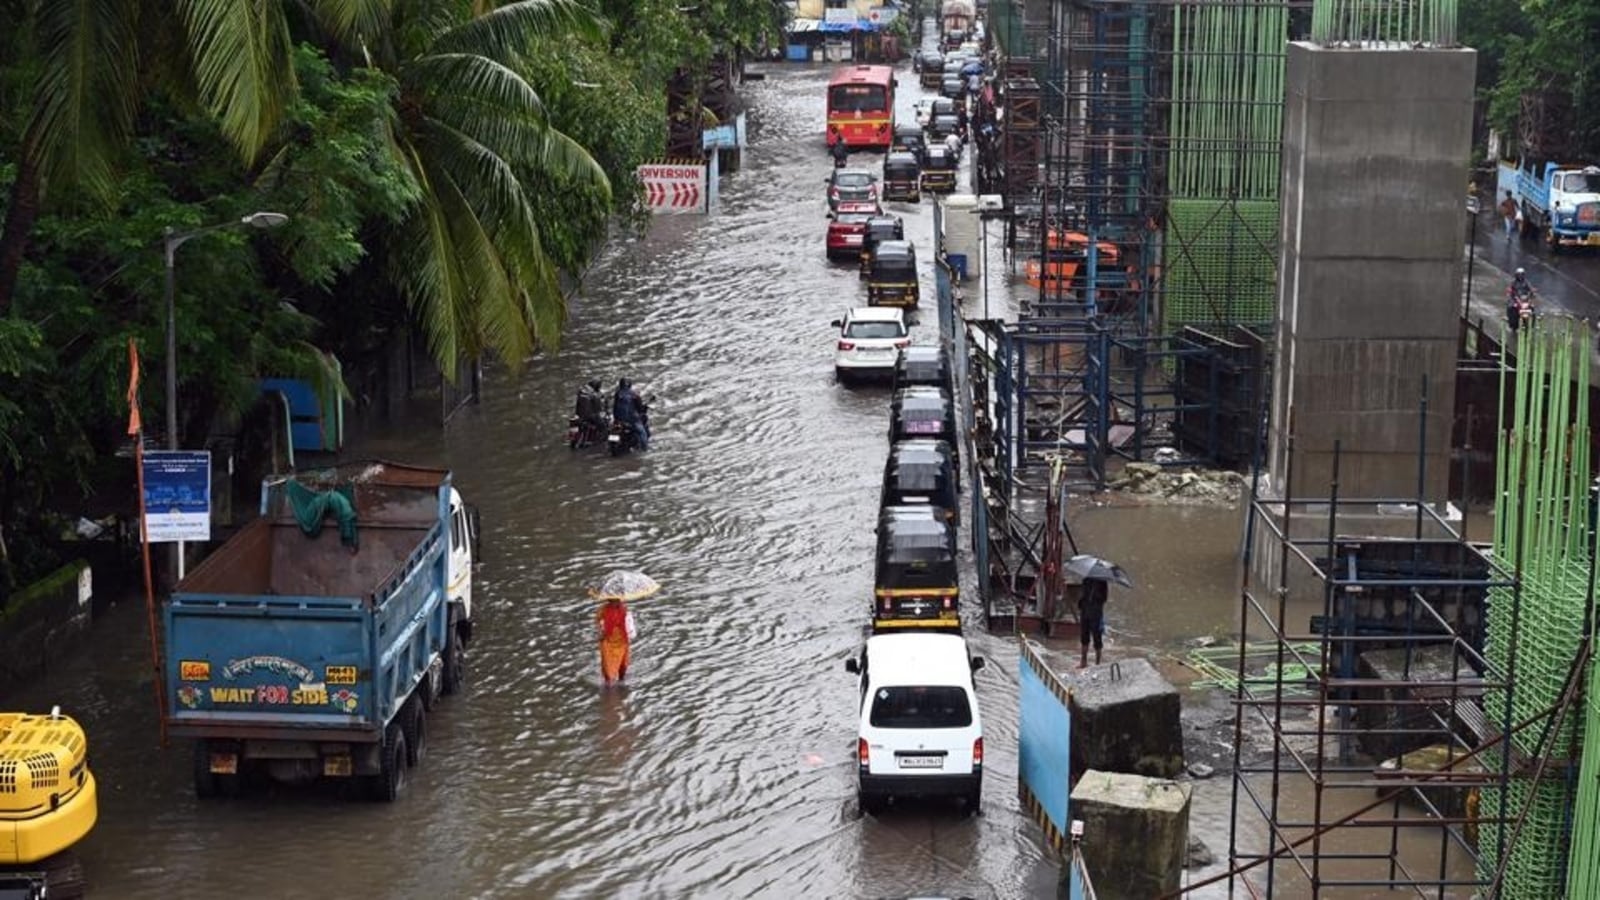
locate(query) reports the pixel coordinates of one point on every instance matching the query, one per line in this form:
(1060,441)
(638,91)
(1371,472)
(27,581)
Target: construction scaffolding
(1408,702)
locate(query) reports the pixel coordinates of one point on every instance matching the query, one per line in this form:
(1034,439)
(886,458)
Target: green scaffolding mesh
(1221,237)
(1221,266)
(1542,533)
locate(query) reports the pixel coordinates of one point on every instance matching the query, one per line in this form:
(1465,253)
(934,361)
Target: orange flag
(134,425)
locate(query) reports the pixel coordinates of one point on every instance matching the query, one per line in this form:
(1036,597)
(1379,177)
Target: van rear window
(920,706)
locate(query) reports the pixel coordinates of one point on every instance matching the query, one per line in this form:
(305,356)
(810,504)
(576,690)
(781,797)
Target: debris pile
(1178,484)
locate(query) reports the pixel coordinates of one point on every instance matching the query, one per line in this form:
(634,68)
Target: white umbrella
(1093,567)
(622,584)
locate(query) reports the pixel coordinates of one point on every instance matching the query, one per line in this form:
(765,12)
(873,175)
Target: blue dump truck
(314,643)
(1559,202)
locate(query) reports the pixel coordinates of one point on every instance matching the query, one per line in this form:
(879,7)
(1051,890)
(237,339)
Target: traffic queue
(920,733)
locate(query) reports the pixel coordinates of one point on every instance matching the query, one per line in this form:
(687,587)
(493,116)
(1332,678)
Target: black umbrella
(1093,567)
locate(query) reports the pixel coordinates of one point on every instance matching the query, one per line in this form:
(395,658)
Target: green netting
(1542,533)
(1221,237)
(1221,263)
(1583,857)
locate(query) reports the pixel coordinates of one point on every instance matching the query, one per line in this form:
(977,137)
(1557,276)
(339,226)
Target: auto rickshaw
(932,71)
(908,139)
(902,178)
(939,169)
(892,275)
(922,472)
(1065,259)
(915,583)
(879,228)
(923,365)
(924,412)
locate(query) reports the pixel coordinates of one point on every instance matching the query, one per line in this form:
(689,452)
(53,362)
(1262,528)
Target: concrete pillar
(1135,833)
(1375,147)
(1125,718)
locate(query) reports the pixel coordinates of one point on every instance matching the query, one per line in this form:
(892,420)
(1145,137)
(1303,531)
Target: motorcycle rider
(590,407)
(841,153)
(629,408)
(1519,299)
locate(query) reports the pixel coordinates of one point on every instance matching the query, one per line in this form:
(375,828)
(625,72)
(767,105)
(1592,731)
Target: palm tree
(467,256)
(96,59)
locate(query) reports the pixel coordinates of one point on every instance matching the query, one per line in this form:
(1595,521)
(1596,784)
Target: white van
(920,733)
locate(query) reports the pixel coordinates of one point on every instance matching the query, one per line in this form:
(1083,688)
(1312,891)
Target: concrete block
(1125,718)
(1135,833)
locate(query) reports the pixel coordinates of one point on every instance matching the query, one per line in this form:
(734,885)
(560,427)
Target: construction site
(1195,220)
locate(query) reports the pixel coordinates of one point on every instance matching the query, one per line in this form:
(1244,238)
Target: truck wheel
(205,783)
(455,661)
(416,736)
(391,777)
(431,685)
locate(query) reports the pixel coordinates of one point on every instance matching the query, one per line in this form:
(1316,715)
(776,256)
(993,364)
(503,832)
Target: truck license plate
(921,762)
(336,766)
(224,763)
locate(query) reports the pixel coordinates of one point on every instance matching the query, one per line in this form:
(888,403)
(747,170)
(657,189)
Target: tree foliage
(1527,46)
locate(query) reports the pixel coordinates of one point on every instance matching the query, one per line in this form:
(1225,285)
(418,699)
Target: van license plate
(921,762)
(336,766)
(224,764)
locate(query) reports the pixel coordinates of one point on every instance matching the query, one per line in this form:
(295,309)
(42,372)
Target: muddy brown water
(726,767)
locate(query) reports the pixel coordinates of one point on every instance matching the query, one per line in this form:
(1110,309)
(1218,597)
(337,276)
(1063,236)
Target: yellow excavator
(47,805)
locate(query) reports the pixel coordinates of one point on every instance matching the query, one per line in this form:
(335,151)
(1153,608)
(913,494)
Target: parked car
(845,233)
(851,186)
(870,338)
(920,732)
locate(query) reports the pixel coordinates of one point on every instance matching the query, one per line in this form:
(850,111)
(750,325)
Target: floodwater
(726,768)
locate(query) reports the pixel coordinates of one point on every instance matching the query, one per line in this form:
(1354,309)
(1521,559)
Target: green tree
(468,256)
(93,62)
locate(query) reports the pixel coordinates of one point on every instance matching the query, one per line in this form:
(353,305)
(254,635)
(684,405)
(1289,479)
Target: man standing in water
(616,634)
(1092,617)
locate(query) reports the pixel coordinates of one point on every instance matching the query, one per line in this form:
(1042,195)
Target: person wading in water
(616,633)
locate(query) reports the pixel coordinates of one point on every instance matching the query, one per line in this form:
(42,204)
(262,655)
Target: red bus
(861,106)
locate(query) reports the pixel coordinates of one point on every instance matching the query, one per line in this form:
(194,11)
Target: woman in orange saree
(616,630)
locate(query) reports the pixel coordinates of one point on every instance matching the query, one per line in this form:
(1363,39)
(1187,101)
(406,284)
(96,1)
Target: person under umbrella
(615,620)
(1097,575)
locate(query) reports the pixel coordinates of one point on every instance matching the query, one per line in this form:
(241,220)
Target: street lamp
(171,240)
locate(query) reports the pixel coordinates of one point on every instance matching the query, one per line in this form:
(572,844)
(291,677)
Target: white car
(920,732)
(870,340)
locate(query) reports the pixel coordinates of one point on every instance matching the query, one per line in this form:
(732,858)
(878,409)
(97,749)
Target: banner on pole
(177,495)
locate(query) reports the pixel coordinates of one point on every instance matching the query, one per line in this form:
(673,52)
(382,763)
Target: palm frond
(507,32)
(242,63)
(499,322)
(85,95)
(425,267)
(355,23)
(518,137)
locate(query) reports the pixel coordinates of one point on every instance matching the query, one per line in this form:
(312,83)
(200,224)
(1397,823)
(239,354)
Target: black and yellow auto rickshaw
(908,139)
(878,229)
(892,275)
(925,365)
(902,178)
(922,472)
(924,412)
(938,169)
(915,583)
(932,71)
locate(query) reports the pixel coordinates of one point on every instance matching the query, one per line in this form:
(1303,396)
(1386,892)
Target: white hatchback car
(920,733)
(870,340)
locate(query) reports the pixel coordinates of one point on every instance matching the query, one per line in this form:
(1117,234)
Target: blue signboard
(177,495)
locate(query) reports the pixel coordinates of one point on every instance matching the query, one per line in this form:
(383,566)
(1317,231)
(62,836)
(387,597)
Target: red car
(845,233)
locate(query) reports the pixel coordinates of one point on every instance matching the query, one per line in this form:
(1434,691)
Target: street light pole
(171,240)
(1472,255)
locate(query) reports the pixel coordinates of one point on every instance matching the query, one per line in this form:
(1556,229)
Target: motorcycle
(581,434)
(1519,306)
(622,437)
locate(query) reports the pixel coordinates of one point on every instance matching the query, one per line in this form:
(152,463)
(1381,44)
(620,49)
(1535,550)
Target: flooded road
(727,767)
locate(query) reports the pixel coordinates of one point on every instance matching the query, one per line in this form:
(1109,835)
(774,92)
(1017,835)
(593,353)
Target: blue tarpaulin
(847,27)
